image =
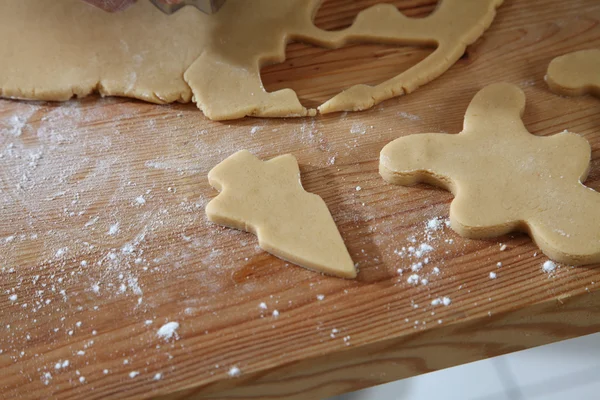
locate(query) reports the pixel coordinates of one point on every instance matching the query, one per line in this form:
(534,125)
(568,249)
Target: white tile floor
(565,370)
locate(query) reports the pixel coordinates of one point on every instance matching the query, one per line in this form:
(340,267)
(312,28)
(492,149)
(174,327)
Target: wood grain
(103,229)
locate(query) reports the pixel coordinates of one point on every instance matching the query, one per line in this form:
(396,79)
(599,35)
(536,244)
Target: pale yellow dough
(54,50)
(267,199)
(505,179)
(575,74)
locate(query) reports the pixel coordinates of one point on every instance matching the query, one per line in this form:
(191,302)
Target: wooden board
(103,238)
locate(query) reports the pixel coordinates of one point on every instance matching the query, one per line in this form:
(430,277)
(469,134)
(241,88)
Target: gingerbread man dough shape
(267,199)
(575,74)
(505,179)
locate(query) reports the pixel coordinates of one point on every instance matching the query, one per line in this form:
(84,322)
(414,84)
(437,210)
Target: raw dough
(61,49)
(575,74)
(267,199)
(504,179)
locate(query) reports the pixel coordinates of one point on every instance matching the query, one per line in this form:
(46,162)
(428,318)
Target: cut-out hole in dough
(330,18)
(317,74)
(215,60)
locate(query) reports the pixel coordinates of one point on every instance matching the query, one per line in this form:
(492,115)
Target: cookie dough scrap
(575,74)
(267,199)
(505,179)
(213,60)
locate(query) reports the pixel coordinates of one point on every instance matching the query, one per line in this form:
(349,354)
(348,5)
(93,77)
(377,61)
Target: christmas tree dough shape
(56,50)
(505,179)
(266,198)
(575,74)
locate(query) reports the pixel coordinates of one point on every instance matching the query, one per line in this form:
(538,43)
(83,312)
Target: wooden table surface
(104,238)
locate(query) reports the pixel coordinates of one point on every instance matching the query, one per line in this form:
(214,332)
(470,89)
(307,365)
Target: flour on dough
(575,74)
(505,179)
(267,199)
(61,49)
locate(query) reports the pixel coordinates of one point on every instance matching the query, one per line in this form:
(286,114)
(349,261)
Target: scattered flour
(168,330)
(441,300)
(409,116)
(61,252)
(358,128)
(47,377)
(234,372)
(14,124)
(418,248)
(548,266)
(113,229)
(435,223)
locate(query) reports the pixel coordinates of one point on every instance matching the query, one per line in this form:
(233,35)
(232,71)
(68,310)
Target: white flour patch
(548,266)
(435,223)
(46,377)
(413,279)
(61,252)
(168,330)
(409,116)
(113,229)
(234,372)
(14,124)
(358,128)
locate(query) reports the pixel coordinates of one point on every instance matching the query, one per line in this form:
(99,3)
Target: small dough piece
(505,179)
(267,199)
(575,74)
(63,49)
